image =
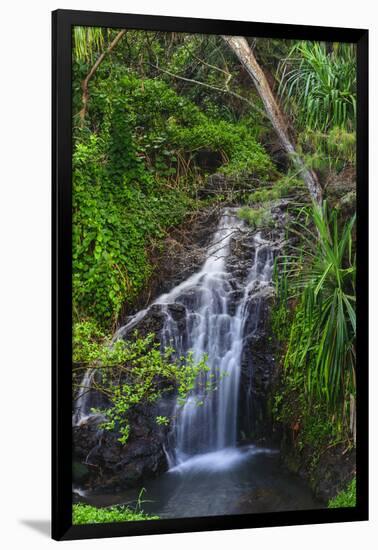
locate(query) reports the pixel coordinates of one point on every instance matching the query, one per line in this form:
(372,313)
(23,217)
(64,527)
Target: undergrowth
(83,514)
(346,498)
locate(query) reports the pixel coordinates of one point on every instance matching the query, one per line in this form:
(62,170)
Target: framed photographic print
(210,274)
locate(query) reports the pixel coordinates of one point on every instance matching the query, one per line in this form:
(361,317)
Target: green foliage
(133,372)
(116,214)
(285,186)
(346,498)
(322,338)
(314,322)
(281,313)
(263,195)
(320,85)
(92,347)
(162,420)
(170,130)
(317,428)
(147,374)
(256,217)
(86,42)
(85,514)
(324,152)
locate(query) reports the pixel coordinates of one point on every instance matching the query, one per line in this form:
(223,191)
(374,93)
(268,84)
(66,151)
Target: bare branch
(206,85)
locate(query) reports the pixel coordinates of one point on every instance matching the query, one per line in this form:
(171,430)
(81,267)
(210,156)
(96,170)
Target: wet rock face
(334,468)
(154,319)
(258,368)
(258,379)
(110,465)
(259,373)
(183,254)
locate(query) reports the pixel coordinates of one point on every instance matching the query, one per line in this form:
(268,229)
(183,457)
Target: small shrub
(345,499)
(84,514)
(263,195)
(256,217)
(328,151)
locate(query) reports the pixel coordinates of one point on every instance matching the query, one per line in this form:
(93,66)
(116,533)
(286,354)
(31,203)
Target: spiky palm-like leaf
(321,345)
(86,42)
(320,86)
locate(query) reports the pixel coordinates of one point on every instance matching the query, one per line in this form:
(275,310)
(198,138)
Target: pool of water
(231,481)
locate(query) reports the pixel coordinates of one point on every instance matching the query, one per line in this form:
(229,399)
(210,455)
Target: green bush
(84,514)
(132,372)
(256,217)
(320,85)
(171,130)
(285,186)
(314,323)
(263,195)
(345,499)
(329,151)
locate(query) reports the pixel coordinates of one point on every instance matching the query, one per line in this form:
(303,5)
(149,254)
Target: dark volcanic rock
(111,465)
(183,253)
(332,471)
(153,320)
(258,375)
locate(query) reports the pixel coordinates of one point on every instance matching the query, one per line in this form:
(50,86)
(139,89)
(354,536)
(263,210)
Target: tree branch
(84,84)
(206,85)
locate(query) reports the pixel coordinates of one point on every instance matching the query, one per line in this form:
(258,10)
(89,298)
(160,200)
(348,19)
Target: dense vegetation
(162,112)
(137,165)
(318,334)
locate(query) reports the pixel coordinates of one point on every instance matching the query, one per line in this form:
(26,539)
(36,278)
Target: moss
(256,217)
(286,186)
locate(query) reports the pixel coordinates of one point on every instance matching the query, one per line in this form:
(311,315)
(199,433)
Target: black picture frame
(62,23)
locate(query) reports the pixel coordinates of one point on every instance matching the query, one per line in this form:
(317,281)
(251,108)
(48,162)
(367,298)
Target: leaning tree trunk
(241,48)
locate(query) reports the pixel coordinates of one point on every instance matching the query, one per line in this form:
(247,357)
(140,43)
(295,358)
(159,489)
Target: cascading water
(84,398)
(87,398)
(215,330)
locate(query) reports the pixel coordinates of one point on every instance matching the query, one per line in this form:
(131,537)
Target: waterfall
(87,398)
(218,311)
(215,328)
(83,400)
